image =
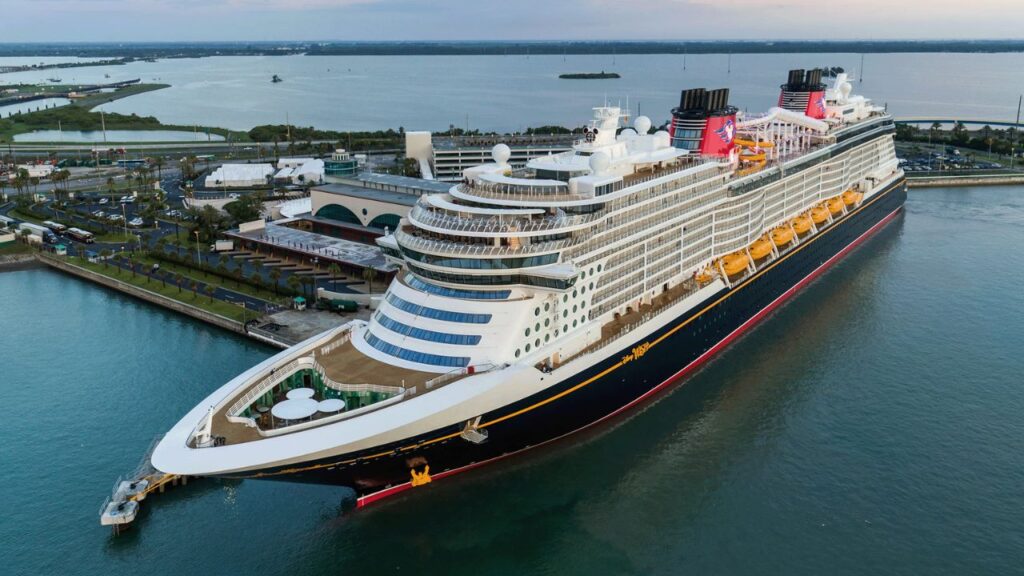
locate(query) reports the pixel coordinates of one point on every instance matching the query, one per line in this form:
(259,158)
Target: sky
(196,20)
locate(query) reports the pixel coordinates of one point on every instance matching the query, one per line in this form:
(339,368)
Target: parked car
(136,222)
(104,200)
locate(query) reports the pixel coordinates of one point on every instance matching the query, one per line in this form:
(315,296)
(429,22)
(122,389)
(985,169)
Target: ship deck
(342,363)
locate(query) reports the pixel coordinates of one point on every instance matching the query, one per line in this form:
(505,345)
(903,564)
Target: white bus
(57,227)
(81,235)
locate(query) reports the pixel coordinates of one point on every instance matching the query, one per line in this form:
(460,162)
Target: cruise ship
(535,302)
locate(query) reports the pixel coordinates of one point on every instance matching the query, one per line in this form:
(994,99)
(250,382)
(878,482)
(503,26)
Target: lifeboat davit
(850,197)
(760,248)
(835,205)
(704,276)
(782,236)
(819,214)
(735,263)
(801,224)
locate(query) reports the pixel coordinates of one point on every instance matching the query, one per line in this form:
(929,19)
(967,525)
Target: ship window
(517,352)
(527,331)
(446,315)
(546,338)
(547,306)
(565,313)
(573,323)
(547,322)
(454,292)
(536,311)
(414,356)
(428,335)
(537,327)
(574,307)
(537,342)
(527,348)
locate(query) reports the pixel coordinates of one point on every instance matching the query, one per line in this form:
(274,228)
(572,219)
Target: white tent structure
(239,176)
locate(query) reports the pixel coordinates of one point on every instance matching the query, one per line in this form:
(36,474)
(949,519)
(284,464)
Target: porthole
(547,322)
(575,293)
(574,307)
(591,285)
(582,304)
(583,290)
(565,313)
(583,319)
(537,327)
(527,332)
(565,297)
(546,338)
(517,352)
(537,342)
(556,332)
(527,348)
(591,271)
(598,267)
(547,306)
(565,328)
(573,323)
(536,311)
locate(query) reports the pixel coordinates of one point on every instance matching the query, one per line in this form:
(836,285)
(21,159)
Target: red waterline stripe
(376,496)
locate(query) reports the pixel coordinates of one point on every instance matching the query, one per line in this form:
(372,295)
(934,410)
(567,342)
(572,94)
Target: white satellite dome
(627,134)
(662,139)
(642,125)
(501,153)
(599,162)
(845,88)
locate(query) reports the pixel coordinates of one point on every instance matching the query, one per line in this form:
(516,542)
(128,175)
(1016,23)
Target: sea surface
(508,93)
(870,426)
(116,136)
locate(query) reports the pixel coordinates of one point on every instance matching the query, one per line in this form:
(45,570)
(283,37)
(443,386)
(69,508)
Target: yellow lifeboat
(835,205)
(704,276)
(819,214)
(850,197)
(801,224)
(782,236)
(735,263)
(760,248)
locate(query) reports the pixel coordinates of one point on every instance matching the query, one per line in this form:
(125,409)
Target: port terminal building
(345,215)
(445,157)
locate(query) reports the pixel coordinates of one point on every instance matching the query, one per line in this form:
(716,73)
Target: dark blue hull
(623,379)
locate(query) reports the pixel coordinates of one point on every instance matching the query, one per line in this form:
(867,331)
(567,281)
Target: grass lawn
(14,248)
(185,295)
(22,216)
(192,273)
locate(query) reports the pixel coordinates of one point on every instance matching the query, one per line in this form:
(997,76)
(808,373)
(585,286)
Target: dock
(121,508)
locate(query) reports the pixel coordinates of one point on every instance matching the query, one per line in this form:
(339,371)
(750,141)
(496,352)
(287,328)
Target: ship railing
(355,388)
(460,372)
(506,192)
(276,377)
(340,341)
(428,217)
(465,249)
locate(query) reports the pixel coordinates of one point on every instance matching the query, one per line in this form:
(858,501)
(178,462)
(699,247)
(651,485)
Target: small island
(589,75)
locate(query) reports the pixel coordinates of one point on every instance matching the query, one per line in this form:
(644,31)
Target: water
(32,106)
(513,92)
(872,425)
(117,136)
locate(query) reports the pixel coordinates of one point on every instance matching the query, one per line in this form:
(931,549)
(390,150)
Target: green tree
(369,274)
(307,283)
(105,255)
(246,209)
(210,289)
(255,279)
(179,280)
(275,277)
(334,270)
(293,283)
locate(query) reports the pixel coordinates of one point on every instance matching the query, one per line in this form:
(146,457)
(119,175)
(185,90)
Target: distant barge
(589,75)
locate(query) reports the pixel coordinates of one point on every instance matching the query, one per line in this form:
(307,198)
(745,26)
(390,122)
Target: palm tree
(111,185)
(195,289)
(293,283)
(104,254)
(239,274)
(256,279)
(369,274)
(158,162)
(307,283)
(275,277)
(210,289)
(334,270)
(179,280)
